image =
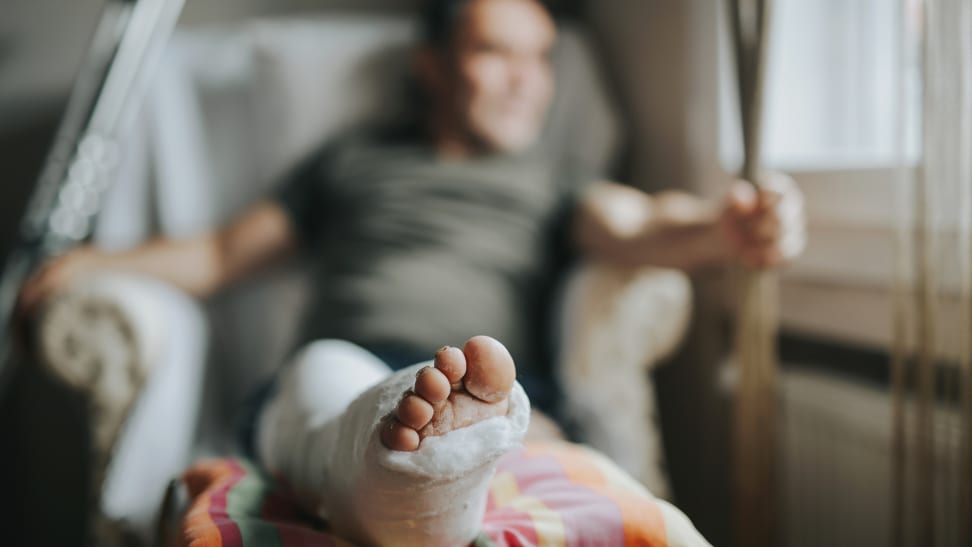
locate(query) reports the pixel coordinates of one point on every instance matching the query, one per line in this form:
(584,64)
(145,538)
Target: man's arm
(623,225)
(201,265)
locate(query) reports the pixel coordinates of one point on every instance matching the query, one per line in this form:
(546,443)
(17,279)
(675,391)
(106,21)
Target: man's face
(497,79)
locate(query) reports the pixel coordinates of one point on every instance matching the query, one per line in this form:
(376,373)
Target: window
(843,84)
(843,98)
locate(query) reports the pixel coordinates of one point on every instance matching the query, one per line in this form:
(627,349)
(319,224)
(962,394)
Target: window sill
(841,288)
(854,315)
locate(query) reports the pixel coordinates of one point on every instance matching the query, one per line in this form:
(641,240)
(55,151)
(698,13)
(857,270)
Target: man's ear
(430,71)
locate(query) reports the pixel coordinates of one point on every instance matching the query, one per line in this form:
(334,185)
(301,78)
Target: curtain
(932,360)
(754,443)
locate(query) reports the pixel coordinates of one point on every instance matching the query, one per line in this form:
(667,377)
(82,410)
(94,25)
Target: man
(441,232)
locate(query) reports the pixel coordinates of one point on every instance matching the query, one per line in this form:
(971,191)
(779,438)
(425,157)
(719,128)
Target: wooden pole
(755,446)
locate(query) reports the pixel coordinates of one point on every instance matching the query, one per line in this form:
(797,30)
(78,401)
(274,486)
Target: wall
(665,59)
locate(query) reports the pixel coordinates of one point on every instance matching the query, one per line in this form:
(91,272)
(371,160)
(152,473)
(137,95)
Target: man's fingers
(772,251)
(766,226)
(39,288)
(762,257)
(763,229)
(31,296)
(742,198)
(793,243)
(27,296)
(20,307)
(767,201)
(778,182)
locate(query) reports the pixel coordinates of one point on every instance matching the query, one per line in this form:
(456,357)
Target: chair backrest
(234,107)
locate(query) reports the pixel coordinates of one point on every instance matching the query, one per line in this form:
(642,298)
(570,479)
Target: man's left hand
(767,227)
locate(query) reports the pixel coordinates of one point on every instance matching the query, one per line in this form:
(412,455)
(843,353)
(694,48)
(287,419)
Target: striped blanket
(551,494)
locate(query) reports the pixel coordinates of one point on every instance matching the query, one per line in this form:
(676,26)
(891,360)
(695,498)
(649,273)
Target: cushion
(543,494)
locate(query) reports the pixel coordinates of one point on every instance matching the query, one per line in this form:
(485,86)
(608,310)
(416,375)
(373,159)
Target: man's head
(485,66)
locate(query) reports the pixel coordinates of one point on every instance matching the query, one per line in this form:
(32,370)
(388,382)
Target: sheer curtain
(755,407)
(932,365)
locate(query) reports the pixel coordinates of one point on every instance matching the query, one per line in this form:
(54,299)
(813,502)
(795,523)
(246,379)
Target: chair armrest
(633,316)
(102,335)
(135,349)
(616,324)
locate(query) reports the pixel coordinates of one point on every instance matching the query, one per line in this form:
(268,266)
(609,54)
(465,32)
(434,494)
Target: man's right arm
(202,265)
(623,225)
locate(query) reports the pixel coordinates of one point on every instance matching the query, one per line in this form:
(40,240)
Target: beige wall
(663,56)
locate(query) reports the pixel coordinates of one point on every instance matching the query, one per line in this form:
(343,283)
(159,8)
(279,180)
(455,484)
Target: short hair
(440,18)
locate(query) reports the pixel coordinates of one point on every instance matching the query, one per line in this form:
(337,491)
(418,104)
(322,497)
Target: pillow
(544,494)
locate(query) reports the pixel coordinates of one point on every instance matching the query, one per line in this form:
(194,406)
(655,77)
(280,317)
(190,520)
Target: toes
(414,412)
(432,385)
(490,371)
(396,436)
(451,362)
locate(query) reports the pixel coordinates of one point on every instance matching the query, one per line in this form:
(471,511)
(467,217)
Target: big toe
(490,371)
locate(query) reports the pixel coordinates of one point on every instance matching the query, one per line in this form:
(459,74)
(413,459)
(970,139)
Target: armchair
(163,375)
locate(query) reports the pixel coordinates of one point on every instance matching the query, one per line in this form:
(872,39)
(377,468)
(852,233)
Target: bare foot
(463,387)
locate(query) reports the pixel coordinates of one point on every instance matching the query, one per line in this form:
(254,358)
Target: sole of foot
(462,387)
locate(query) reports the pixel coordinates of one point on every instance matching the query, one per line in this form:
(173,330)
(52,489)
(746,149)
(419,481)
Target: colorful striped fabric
(551,494)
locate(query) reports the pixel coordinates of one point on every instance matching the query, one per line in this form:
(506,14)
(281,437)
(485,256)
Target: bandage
(431,497)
